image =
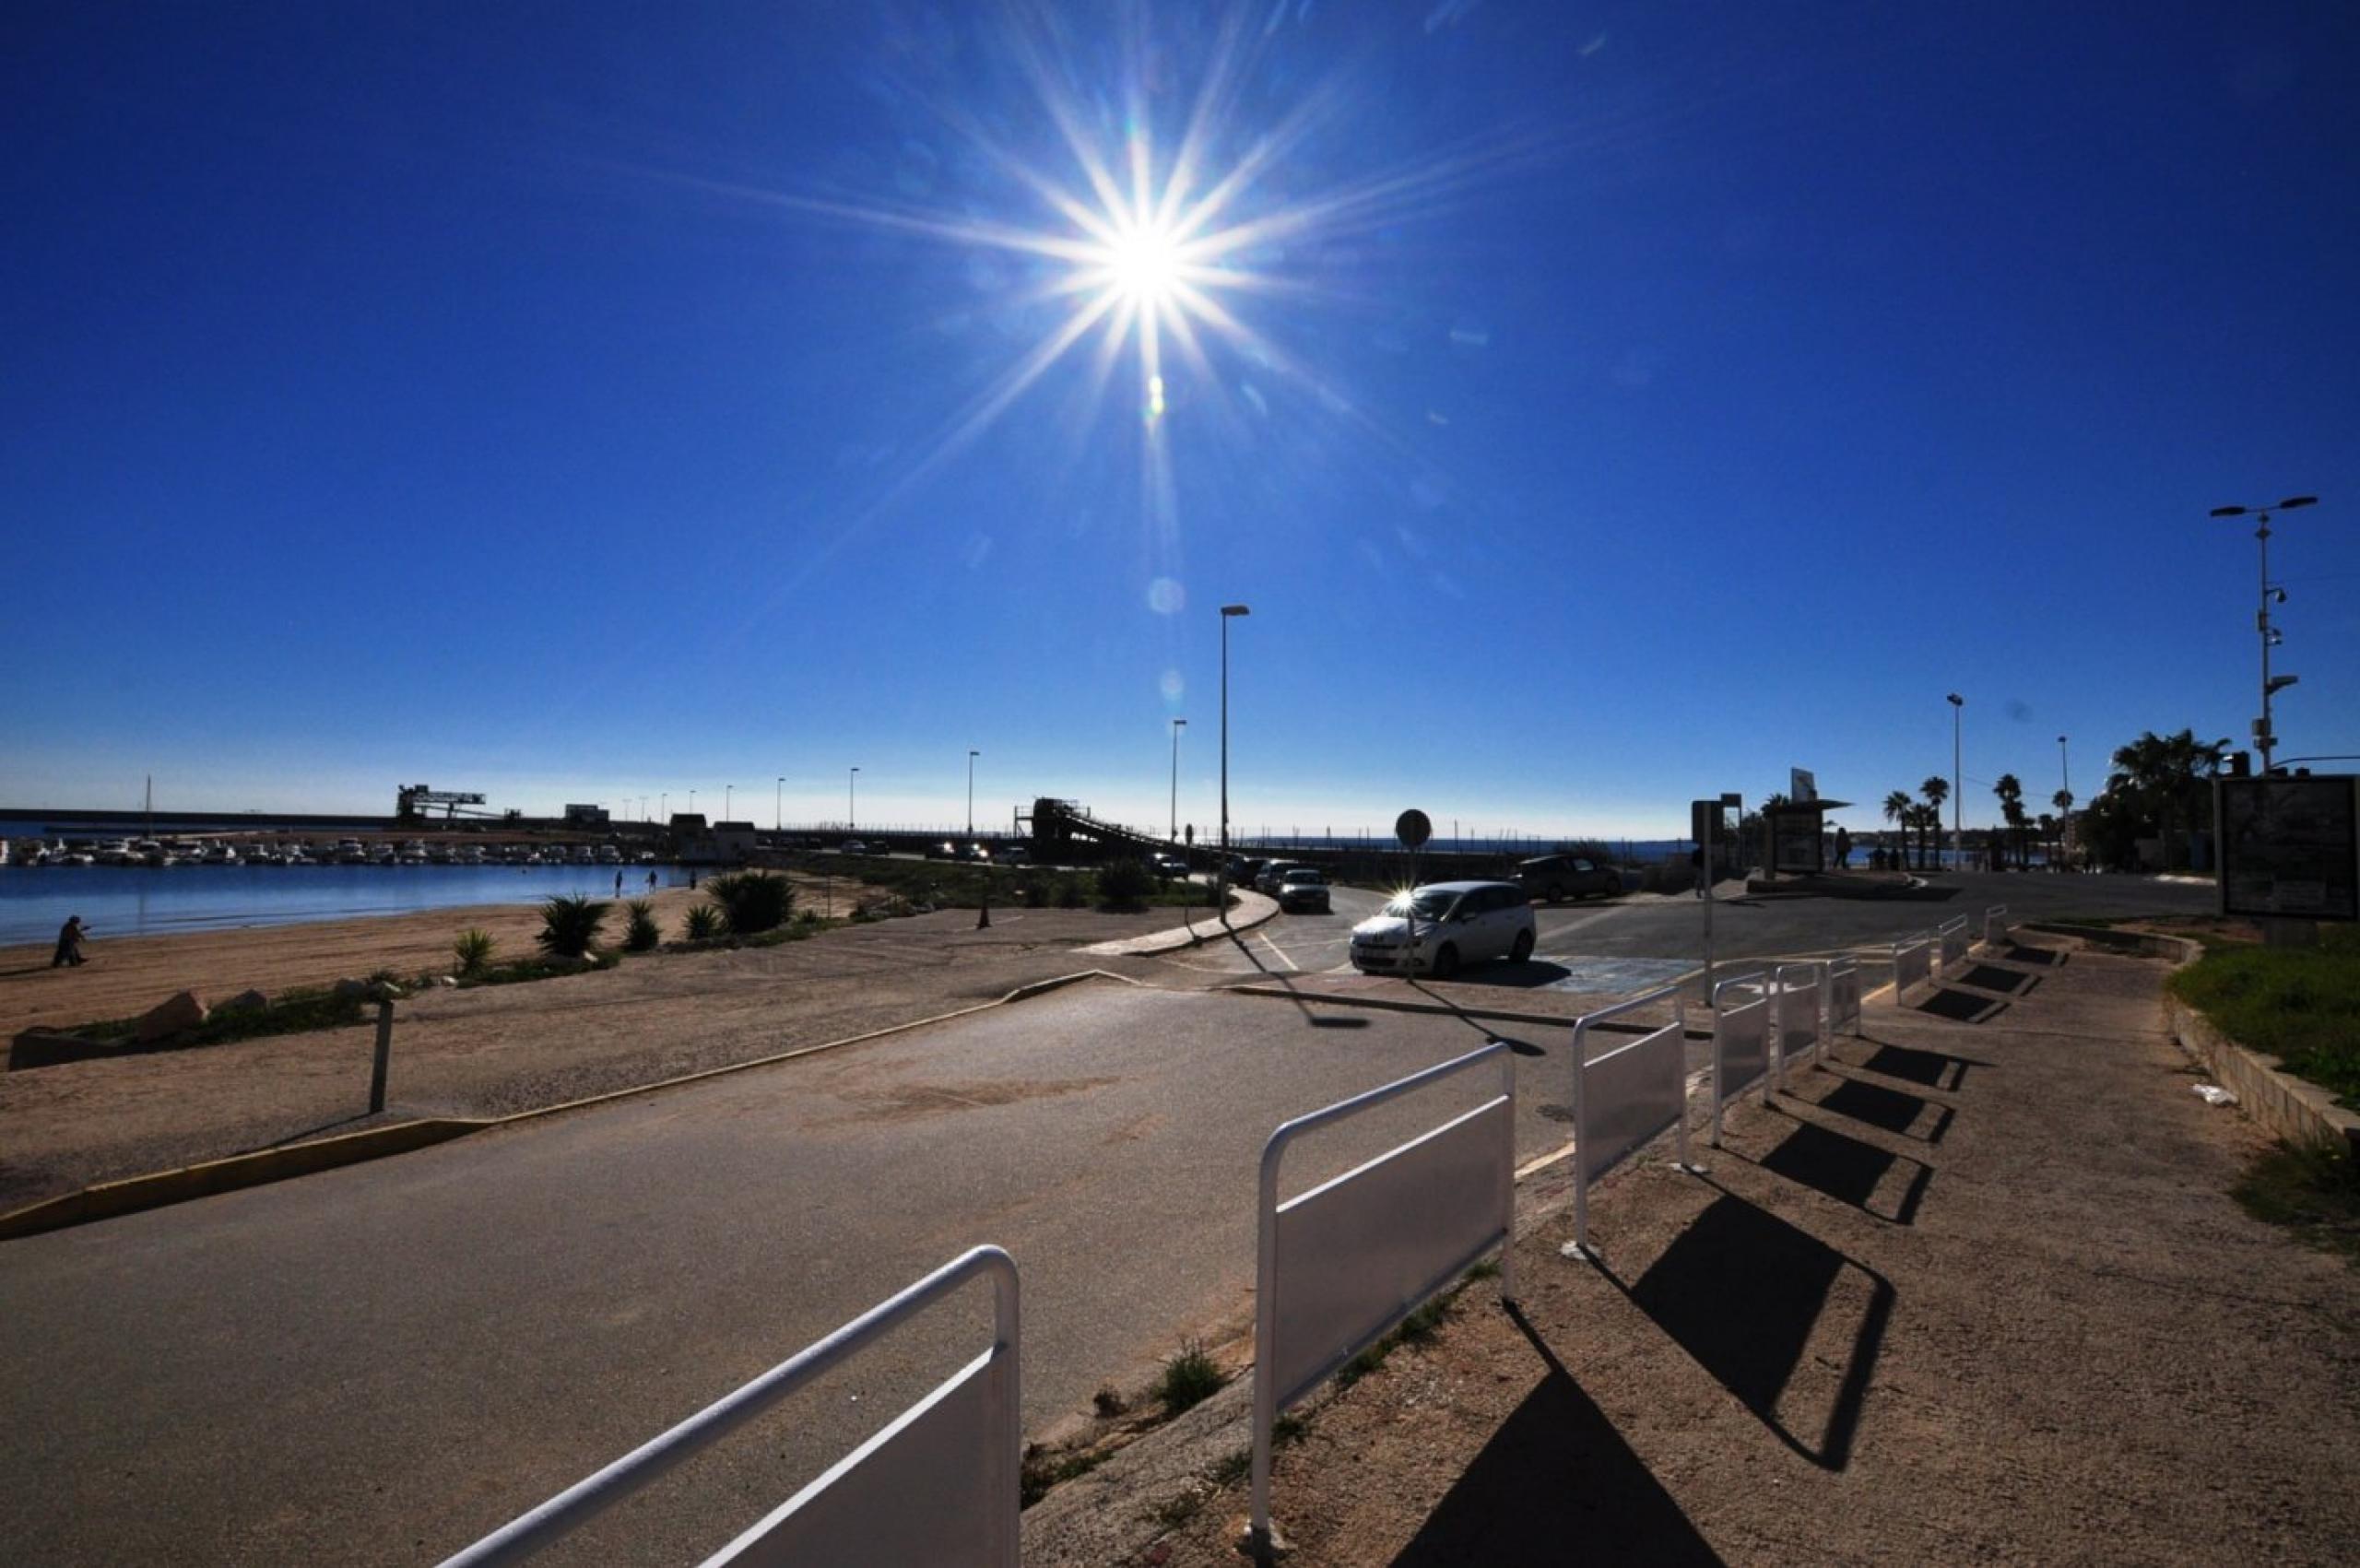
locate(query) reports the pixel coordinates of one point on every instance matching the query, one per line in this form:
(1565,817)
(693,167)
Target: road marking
(1281,953)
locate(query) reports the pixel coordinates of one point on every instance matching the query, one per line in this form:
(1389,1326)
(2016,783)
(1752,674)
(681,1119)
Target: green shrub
(1069,894)
(1034,894)
(2301,1005)
(1124,884)
(704,923)
(569,926)
(1190,1378)
(754,901)
(473,948)
(641,934)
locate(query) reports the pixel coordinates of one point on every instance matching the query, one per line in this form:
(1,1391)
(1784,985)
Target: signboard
(1801,786)
(1794,842)
(1412,828)
(2290,847)
(1705,822)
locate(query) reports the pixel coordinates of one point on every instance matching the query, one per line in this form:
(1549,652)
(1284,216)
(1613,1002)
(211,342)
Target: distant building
(586,816)
(734,841)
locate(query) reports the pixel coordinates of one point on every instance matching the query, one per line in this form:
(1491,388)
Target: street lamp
(2263,738)
(2064,765)
(726,791)
(851,798)
(972,755)
(778,805)
(1958,795)
(1178,725)
(1227,611)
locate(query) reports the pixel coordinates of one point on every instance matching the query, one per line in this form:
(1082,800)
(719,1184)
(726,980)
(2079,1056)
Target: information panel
(2290,847)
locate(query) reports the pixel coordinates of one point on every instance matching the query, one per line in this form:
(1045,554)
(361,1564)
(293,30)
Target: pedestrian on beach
(1843,849)
(619,884)
(69,943)
(651,881)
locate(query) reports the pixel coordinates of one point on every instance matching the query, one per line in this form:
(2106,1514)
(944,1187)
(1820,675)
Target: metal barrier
(1625,1098)
(1796,1033)
(939,1485)
(1341,1264)
(1843,996)
(1740,1043)
(1952,935)
(1995,927)
(1913,963)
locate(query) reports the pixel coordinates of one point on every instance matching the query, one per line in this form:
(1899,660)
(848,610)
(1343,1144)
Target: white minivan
(1436,928)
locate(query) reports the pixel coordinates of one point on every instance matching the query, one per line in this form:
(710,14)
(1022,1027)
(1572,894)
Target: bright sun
(1143,263)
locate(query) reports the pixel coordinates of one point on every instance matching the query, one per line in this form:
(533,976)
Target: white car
(1437,928)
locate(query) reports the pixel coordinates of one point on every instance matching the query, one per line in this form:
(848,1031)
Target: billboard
(2290,847)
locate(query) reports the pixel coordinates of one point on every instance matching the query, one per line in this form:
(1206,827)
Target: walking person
(69,943)
(619,884)
(1843,849)
(650,882)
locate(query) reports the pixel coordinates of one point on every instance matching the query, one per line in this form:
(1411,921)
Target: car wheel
(1445,962)
(1523,949)
(1614,887)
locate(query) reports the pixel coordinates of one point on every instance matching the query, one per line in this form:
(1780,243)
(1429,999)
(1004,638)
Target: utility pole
(1227,612)
(1958,779)
(1178,725)
(2264,737)
(972,755)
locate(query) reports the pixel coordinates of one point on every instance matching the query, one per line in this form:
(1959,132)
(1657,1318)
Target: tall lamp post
(2064,766)
(852,798)
(972,755)
(1227,612)
(727,793)
(1958,795)
(2263,737)
(778,805)
(1178,725)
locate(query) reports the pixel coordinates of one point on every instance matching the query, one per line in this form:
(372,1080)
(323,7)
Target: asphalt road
(382,1362)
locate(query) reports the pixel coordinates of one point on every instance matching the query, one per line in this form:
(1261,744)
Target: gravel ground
(1973,1293)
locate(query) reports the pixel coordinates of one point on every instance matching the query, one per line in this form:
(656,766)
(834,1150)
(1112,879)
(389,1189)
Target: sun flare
(1143,265)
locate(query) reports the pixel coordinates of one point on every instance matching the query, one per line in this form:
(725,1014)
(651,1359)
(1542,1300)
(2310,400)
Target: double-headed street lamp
(1227,612)
(972,755)
(1178,725)
(1958,795)
(2263,737)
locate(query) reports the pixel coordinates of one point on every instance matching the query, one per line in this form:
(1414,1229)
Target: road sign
(1412,828)
(1802,784)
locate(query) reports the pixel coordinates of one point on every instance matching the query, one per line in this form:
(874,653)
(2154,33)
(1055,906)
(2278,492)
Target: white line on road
(1281,953)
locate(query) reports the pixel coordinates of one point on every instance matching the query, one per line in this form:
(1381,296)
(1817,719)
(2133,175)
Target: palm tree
(1936,790)
(2049,839)
(2011,791)
(1896,811)
(2163,776)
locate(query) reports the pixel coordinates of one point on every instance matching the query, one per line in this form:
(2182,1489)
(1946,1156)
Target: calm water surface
(132,901)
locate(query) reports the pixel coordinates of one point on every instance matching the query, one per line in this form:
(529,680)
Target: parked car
(853,846)
(1305,891)
(1169,864)
(1555,877)
(1015,855)
(1443,925)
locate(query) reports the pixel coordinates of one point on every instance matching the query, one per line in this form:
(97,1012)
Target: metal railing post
(385,1054)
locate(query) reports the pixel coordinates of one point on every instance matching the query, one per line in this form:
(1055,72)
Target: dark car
(1304,890)
(1555,877)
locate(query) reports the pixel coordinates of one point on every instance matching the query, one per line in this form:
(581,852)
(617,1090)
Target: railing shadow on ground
(1960,1007)
(1989,977)
(1556,1481)
(1847,1169)
(2047,958)
(1742,1291)
(1889,1110)
(1914,1064)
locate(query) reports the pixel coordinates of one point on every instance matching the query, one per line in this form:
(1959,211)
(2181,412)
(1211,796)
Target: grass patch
(2302,1005)
(292,1012)
(1043,1471)
(2313,1191)
(1188,1379)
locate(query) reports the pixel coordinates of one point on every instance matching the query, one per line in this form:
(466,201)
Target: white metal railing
(1843,996)
(1741,1041)
(1796,1029)
(1913,963)
(1995,927)
(1951,934)
(1625,1098)
(1339,1265)
(938,1484)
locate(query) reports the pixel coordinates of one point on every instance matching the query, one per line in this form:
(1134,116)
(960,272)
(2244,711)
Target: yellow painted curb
(160,1189)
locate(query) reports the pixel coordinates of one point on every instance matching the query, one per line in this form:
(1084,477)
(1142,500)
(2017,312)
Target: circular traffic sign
(1413,828)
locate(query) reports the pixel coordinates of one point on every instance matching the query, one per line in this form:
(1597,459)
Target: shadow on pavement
(1316,1020)
(1556,1481)
(1984,977)
(1881,1107)
(1960,1007)
(2049,958)
(1849,1171)
(1743,1293)
(1933,1069)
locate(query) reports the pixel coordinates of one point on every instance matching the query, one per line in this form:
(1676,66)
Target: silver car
(1437,928)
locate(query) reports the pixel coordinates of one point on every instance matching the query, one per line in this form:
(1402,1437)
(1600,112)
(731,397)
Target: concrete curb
(2293,1108)
(160,1189)
(1253,910)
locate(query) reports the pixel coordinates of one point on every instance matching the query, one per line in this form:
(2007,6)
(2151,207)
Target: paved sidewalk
(1252,910)
(1971,1292)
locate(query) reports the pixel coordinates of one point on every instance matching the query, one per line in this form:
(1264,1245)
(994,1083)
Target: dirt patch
(915,1101)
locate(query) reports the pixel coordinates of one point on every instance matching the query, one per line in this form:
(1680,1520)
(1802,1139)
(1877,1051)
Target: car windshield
(1430,903)
(1305,878)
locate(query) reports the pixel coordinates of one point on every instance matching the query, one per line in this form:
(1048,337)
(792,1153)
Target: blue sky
(1611,404)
